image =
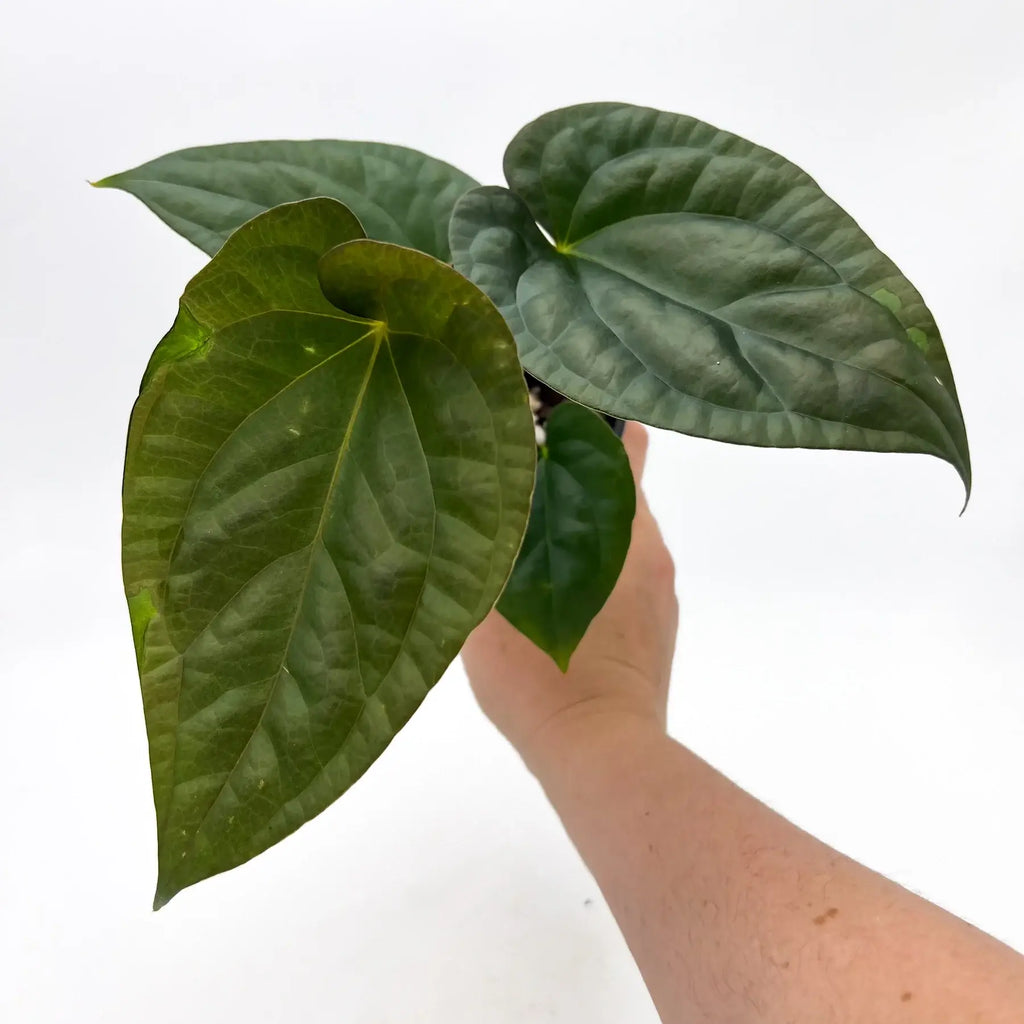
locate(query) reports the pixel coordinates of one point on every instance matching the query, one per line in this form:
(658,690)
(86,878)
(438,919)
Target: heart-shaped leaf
(578,533)
(399,195)
(699,282)
(318,508)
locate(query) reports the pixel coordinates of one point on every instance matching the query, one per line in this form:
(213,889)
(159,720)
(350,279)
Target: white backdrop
(850,648)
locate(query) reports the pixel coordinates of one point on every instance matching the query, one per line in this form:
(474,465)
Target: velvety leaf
(205,193)
(578,533)
(702,283)
(318,508)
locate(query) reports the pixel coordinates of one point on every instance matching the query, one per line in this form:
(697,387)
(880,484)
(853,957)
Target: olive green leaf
(578,533)
(318,508)
(698,282)
(205,193)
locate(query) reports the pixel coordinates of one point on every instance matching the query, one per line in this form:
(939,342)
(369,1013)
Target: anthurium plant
(384,409)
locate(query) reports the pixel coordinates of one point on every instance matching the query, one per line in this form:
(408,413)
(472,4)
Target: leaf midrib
(223,234)
(252,412)
(191,500)
(378,335)
(162,813)
(400,158)
(780,341)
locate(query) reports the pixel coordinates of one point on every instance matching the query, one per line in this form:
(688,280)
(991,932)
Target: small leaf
(702,283)
(578,535)
(205,193)
(318,508)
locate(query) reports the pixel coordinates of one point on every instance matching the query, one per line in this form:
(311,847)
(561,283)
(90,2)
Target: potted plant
(336,467)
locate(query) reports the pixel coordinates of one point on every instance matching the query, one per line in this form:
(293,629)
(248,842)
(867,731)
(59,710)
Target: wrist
(591,737)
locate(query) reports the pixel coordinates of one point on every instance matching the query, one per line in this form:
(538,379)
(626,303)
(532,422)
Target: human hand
(618,675)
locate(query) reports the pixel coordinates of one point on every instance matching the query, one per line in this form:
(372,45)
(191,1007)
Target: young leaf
(318,508)
(701,283)
(205,193)
(578,534)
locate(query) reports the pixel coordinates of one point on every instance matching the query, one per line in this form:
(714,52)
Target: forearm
(734,915)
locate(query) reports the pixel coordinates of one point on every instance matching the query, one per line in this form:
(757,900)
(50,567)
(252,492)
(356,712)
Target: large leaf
(318,509)
(578,534)
(205,193)
(699,282)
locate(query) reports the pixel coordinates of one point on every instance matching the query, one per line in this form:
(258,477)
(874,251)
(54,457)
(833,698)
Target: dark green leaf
(702,283)
(318,509)
(205,193)
(578,534)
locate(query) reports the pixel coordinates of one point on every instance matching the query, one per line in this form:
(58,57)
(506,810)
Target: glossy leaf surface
(578,534)
(702,283)
(399,195)
(318,508)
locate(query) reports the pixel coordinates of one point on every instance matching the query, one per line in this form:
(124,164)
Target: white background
(851,649)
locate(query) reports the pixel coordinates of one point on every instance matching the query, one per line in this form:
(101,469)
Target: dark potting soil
(549,399)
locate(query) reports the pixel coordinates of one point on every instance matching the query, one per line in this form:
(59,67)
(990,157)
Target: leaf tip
(168,882)
(163,896)
(967,495)
(963,469)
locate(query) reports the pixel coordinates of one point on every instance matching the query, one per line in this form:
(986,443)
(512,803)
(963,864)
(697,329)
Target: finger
(635,440)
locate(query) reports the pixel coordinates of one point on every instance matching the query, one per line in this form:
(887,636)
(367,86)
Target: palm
(622,664)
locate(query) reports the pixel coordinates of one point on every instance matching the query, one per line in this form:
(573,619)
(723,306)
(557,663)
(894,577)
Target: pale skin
(733,914)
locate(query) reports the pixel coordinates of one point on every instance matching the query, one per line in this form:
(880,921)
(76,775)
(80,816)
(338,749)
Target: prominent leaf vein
(779,341)
(317,539)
